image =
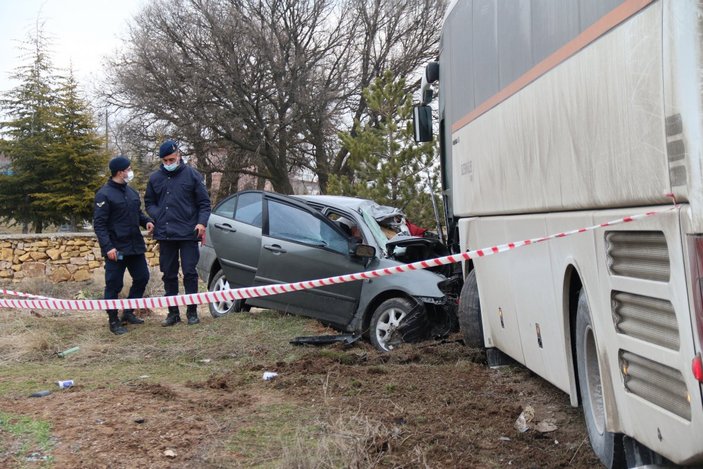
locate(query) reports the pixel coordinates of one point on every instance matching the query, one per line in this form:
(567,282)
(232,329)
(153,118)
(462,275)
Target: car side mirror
(364,251)
(422,123)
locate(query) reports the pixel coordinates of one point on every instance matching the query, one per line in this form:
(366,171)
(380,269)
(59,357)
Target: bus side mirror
(422,123)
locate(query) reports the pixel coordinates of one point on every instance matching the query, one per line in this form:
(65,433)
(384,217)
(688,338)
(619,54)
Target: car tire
(606,445)
(219,283)
(386,319)
(469,313)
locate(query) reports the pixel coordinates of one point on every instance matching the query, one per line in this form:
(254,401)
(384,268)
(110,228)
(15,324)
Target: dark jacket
(117,216)
(177,201)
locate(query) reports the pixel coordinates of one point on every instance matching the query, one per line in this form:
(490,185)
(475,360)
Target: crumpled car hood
(408,249)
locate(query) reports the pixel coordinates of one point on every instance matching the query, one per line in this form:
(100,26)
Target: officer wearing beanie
(117,216)
(178,202)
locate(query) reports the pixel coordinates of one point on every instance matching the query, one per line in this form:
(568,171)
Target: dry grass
(282,435)
(200,390)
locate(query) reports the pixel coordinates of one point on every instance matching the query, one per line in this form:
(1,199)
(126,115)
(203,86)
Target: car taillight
(696,261)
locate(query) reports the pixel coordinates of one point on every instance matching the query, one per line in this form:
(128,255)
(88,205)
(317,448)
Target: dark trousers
(169,252)
(114,277)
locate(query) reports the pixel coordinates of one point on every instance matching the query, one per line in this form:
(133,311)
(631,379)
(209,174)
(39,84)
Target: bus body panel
(683,69)
(526,287)
(561,115)
(576,137)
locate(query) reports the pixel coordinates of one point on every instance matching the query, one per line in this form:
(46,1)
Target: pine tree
(387,165)
(56,155)
(28,138)
(77,160)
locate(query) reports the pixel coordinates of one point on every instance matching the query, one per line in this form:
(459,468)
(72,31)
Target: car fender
(208,258)
(415,283)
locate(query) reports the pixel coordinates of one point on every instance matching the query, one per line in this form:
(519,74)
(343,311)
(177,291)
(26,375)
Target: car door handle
(274,248)
(225,227)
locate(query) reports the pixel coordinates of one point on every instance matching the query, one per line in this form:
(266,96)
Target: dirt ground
(433,404)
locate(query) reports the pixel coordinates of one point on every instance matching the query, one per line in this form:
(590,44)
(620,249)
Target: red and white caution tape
(20,294)
(40,302)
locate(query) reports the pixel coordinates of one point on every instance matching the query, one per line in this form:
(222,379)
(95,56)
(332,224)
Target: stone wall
(59,257)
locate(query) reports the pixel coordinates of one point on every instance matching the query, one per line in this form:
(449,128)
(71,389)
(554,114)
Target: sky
(80,32)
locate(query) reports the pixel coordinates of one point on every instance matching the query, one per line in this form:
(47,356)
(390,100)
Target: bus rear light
(697,367)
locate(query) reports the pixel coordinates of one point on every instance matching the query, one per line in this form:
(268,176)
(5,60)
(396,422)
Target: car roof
(339,201)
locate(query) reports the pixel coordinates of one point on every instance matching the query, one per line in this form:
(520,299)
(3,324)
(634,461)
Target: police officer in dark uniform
(178,202)
(117,216)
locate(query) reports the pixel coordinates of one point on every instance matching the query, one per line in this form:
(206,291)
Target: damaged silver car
(261,238)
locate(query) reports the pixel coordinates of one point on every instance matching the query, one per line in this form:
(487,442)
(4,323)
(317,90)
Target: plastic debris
(269,375)
(34,457)
(170,453)
(65,384)
(44,393)
(346,339)
(523,421)
(68,352)
(205,360)
(546,426)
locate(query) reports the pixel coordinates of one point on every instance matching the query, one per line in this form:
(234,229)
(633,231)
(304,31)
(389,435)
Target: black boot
(128,317)
(192,313)
(115,324)
(173,317)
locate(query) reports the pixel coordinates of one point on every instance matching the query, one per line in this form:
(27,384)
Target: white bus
(561,114)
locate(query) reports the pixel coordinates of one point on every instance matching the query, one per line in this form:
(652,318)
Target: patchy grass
(29,346)
(26,441)
(193,396)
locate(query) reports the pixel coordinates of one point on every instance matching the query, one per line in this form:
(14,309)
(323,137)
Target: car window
(249,208)
(226,207)
(291,223)
(371,222)
(347,225)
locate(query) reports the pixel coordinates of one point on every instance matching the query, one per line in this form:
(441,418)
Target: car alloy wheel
(220,308)
(386,320)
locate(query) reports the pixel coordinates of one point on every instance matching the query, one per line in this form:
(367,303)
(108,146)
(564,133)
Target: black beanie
(119,163)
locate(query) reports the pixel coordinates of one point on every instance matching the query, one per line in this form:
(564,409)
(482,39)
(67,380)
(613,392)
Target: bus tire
(469,313)
(606,445)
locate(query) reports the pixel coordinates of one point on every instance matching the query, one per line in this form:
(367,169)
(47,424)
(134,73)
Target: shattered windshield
(378,234)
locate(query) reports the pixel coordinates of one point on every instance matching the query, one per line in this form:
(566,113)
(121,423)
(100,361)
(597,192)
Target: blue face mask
(171,167)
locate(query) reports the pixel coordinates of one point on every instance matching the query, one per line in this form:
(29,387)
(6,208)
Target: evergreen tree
(387,165)
(77,161)
(28,138)
(55,153)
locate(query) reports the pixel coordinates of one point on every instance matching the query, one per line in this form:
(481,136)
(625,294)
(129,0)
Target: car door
(235,232)
(301,244)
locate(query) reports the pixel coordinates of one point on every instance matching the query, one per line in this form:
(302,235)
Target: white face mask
(130,176)
(171,167)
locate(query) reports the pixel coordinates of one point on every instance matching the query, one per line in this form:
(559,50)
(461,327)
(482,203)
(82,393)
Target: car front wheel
(385,321)
(218,309)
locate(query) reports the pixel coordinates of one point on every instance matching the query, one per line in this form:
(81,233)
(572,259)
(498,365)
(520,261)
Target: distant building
(303,182)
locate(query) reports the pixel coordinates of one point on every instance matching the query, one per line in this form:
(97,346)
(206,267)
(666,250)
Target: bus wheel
(470,312)
(607,446)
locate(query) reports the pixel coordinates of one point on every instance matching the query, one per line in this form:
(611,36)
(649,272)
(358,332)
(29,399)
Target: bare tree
(396,35)
(268,83)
